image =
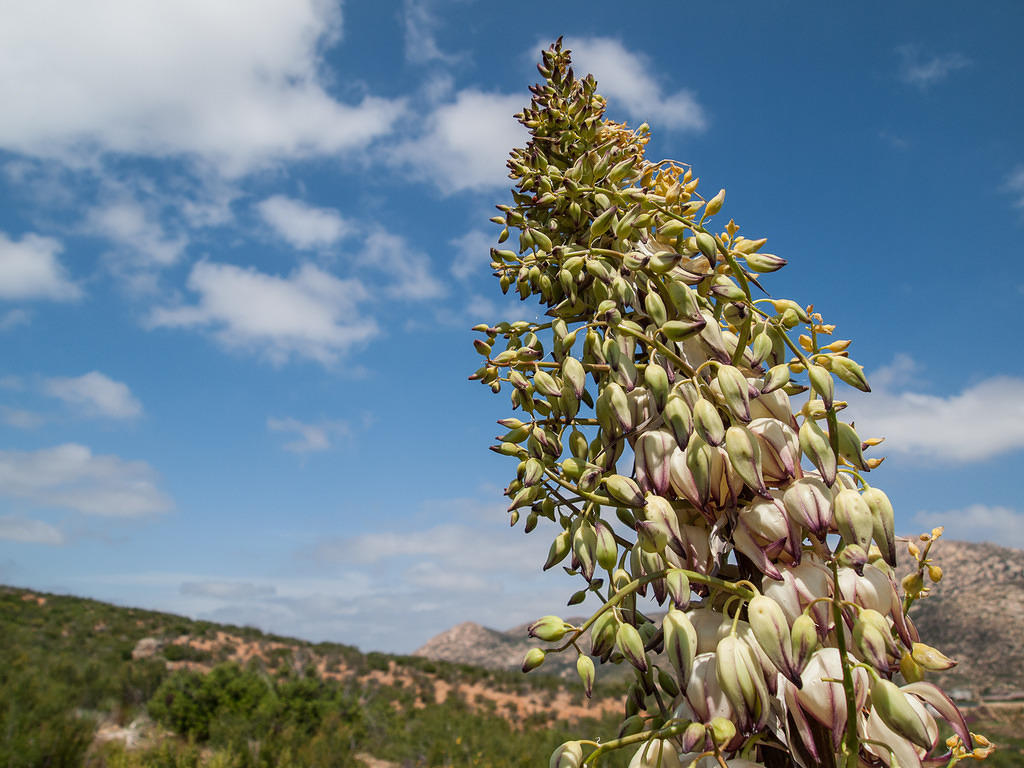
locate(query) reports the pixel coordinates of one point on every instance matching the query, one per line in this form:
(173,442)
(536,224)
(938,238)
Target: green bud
(677,330)
(667,683)
(607,549)
(735,391)
(853,518)
(603,222)
(777,378)
(585,669)
(883,523)
(550,629)
(678,584)
(624,490)
(744,454)
(822,383)
(895,710)
(706,245)
(848,371)
(533,659)
(568,755)
(708,423)
(815,445)
(559,549)
(722,730)
(656,381)
(629,643)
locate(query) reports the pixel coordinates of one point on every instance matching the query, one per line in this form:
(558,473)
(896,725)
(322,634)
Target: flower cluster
(658,432)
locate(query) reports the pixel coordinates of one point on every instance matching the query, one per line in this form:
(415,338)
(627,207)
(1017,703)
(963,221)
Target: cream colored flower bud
(680,643)
(568,755)
(533,659)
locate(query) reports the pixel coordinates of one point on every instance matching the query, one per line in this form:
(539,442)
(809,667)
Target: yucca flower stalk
(742,504)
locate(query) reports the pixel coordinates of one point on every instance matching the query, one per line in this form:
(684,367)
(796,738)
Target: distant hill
(975,615)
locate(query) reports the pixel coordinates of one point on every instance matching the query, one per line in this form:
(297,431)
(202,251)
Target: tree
(753,523)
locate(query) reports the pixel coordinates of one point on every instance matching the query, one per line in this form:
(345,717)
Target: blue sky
(240,252)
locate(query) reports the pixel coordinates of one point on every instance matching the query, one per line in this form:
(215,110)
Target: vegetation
(658,446)
(67,668)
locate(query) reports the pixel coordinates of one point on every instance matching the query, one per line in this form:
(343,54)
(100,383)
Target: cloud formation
(977,522)
(240,87)
(308,314)
(309,437)
(1015,186)
(71,476)
(29,269)
(983,420)
(924,72)
(95,394)
(302,225)
(465,143)
(627,80)
(27,531)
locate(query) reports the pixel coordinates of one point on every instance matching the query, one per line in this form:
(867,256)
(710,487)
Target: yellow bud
(934,573)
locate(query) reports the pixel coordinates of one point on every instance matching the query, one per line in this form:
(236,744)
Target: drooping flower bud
(853,518)
(585,669)
(708,423)
(744,454)
(735,391)
(533,659)
(883,523)
(629,643)
(815,445)
(808,502)
(771,630)
(680,643)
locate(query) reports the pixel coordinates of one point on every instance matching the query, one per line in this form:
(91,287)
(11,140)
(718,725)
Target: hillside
(87,683)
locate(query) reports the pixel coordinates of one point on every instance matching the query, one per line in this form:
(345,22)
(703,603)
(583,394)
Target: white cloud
(408,270)
(983,420)
(625,78)
(310,313)
(29,269)
(1015,186)
(419,26)
(472,253)
(923,72)
(240,84)
(13,318)
(465,143)
(19,418)
(310,437)
(24,530)
(228,590)
(138,232)
(977,522)
(302,225)
(96,395)
(72,477)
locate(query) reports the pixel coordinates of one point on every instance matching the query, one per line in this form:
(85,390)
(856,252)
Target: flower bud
(629,643)
(814,443)
(550,629)
(805,640)
(656,381)
(721,730)
(624,490)
(585,669)
(744,454)
(808,502)
(742,681)
(667,683)
(680,643)
(707,246)
(883,523)
(895,710)
(735,391)
(708,423)
(770,628)
(912,671)
(573,372)
(931,658)
(679,419)
(607,549)
(533,659)
(568,755)
(678,584)
(822,383)
(853,518)
(559,549)
(651,453)
(848,371)
(694,737)
(873,638)
(714,205)
(602,634)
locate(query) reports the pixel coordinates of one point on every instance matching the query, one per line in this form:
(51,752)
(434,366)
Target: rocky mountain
(975,615)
